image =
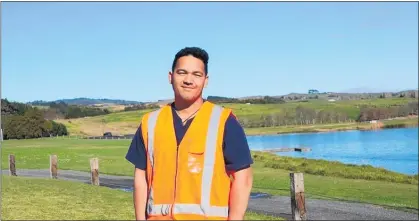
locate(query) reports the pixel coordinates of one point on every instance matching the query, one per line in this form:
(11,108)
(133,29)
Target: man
(192,160)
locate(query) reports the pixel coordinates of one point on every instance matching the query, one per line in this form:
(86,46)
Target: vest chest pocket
(195,159)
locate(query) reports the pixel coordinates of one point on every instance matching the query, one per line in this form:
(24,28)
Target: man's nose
(187,80)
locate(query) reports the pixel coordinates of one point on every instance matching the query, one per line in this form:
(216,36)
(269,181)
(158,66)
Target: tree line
(141,107)
(53,110)
(21,121)
(63,110)
(379,113)
(299,116)
(262,100)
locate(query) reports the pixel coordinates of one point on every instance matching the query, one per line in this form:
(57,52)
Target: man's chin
(189,98)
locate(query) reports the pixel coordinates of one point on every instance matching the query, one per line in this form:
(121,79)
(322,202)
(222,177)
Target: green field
(127,122)
(75,154)
(33,198)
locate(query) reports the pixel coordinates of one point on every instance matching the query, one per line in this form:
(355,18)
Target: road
(272,205)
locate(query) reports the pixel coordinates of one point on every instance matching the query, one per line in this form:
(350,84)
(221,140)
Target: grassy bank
(401,123)
(332,168)
(30,198)
(271,175)
(127,122)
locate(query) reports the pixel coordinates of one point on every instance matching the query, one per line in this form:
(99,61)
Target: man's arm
(137,156)
(140,194)
(240,193)
(238,162)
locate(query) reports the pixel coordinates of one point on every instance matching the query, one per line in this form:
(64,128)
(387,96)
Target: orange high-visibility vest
(189,181)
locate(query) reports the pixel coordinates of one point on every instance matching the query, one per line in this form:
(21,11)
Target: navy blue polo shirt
(236,150)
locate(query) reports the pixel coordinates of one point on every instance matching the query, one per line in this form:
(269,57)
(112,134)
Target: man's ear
(170,77)
(206,80)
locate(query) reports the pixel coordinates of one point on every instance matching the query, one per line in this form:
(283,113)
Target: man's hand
(240,193)
(140,194)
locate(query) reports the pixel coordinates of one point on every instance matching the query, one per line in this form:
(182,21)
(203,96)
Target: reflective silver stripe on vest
(209,160)
(163,209)
(152,121)
(160,209)
(204,208)
(151,126)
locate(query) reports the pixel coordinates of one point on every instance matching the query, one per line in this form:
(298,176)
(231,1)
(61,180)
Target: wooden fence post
(12,165)
(94,168)
(53,165)
(298,206)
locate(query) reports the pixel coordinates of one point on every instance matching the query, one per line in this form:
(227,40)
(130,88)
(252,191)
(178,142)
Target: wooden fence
(53,168)
(298,208)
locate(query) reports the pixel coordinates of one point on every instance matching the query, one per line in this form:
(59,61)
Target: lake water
(393,149)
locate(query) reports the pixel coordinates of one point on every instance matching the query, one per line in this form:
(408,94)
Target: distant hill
(351,94)
(360,90)
(86,101)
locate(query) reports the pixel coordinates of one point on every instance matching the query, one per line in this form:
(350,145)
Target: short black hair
(197,52)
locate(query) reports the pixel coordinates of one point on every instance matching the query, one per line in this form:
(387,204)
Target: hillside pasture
(119,123)
(127,122)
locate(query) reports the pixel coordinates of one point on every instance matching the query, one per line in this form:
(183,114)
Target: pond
(393,149)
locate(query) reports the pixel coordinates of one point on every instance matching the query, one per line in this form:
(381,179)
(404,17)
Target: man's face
(189,78)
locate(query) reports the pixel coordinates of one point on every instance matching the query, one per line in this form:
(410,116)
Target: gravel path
(272,205)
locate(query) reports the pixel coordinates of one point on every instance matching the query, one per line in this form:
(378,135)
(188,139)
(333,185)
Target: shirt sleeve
(136,153)
(237,154)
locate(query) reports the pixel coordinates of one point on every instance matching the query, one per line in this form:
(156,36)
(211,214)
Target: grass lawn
(75,154)
(47,199)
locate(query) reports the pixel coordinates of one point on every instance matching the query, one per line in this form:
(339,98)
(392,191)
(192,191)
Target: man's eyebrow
(178,70)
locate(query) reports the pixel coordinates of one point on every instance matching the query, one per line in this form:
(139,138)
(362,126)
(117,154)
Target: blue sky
(52,50)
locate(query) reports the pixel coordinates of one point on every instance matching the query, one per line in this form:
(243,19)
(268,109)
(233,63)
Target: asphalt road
(272,205)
